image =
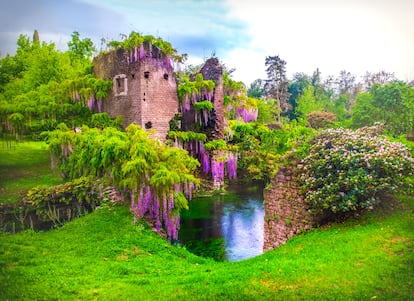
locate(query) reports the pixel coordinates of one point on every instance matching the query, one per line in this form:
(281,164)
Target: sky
(331,35)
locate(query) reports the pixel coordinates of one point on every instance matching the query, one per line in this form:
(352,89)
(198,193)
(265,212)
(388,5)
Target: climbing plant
(192,92)
(156,179)
(135,41)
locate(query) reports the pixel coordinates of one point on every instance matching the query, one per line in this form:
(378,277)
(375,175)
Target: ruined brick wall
(144,88)
(286,213)
(211,70)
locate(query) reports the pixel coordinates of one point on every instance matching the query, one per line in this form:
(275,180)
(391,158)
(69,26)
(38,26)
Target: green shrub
(346,171)
(318,120)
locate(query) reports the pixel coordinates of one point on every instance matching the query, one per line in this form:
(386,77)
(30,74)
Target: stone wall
(212,70)
(286,213)
(144,88)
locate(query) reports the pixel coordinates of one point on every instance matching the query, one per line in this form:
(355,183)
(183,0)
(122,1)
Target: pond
(225,227)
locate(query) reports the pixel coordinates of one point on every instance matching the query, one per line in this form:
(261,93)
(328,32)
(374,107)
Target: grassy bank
(104,256)
(24,165)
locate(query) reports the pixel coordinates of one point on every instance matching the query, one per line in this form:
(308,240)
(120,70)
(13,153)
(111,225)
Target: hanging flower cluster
(220,161)
(156,179)
(346,170)
(215,157)
(241,107)
(139,54)
(202,110)
(247,114)
(135,42)
(162,210)
(192,92)
(89,90)
(190,141)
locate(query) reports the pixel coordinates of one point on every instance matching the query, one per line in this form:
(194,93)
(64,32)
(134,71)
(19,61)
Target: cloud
(57,19)
(193,27)
(332,35)
(356,35)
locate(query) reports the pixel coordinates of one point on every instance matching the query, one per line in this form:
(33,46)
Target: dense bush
(346,171)
(318,120)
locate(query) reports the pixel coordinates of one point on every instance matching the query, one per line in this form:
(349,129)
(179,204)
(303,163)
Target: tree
(36,37)
(382,77)
(395,102)
(80,49)
(297,87)
(391,104)
(256,89)
(364,112)
(155,178)
(345,82)
(276,84)
(307,103)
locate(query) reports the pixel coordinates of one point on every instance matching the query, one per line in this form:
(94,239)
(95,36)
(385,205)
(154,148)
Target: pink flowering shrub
(345,171)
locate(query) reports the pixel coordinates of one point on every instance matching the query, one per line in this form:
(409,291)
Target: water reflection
(237,218)
(242,229)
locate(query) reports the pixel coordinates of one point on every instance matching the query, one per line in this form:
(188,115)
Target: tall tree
(345,82)
(276,84)
(297,86)
(256,89)
(391,104)
(36,37)
(382,77)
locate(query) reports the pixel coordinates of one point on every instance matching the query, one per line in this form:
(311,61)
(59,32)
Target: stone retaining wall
(286,213)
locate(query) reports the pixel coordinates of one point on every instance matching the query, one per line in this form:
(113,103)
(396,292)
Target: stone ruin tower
(144,88)
(211,70)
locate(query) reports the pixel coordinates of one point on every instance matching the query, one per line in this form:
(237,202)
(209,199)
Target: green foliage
(102,120)
(256,89)
(46,87)
(346,171)
(198,87)
(391,104)
(81,50)
(267,110)
(187,136)
(135,39)
(307,103)
(131,162)
(364,113)
(232,87)
(215,145)
(78,191)
(203,105)
(262,149)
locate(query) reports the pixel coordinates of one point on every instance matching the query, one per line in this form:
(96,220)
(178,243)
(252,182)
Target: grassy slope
(23,166)
(103,256)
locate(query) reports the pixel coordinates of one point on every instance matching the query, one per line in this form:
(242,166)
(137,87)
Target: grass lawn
(104,256)
(24,165)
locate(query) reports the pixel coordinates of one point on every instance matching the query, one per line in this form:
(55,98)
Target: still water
(226,226)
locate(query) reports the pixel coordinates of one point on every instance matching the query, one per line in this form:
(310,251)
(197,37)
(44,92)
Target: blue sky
(332,35)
